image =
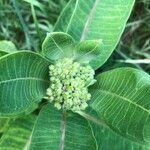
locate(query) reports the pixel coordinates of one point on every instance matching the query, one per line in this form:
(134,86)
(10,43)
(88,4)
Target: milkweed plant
(53,99)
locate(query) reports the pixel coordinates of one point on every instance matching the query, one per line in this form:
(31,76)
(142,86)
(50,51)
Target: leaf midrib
(56,44)
(125,99)
(88,21)
(27,144)
(67,29)
(25,78)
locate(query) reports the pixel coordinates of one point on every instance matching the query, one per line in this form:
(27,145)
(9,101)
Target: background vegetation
(26,23)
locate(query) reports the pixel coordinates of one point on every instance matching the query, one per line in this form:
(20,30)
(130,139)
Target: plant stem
(63,130)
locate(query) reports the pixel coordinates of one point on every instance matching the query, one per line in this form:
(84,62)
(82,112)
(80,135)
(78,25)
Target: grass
(135,43)
(25,22)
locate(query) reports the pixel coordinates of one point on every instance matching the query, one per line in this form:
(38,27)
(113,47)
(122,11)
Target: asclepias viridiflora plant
(83,111)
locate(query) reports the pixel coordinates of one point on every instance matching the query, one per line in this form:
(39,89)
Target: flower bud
(69,83)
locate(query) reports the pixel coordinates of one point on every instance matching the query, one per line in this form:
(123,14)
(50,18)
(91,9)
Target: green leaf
(23,82)
(59,130)
(87,52)
(3,124)
(96,19)
(121,97)
(17,137)
(7,47)
(106,138)
(58,45)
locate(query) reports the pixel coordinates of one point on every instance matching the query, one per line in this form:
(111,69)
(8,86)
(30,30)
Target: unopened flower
(69,83)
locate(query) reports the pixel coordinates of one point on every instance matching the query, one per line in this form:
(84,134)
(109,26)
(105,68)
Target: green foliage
(23,82)
(121,98)
(57,46)
(3,124)
(87,52)
(135,42)
(18,23)
(7,47)
(118,113)
(106,138)
(96,19)
(17,136)
(60,130)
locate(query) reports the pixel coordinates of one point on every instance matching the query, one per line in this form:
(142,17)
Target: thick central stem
(63,130)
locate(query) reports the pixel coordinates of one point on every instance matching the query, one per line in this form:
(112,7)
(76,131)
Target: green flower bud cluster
(68,84)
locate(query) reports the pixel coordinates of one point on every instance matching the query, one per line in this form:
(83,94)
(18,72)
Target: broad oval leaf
(122,98)
(96,19)
(7,47)
(58,45)
(23,82)
(55,130)
(17,136)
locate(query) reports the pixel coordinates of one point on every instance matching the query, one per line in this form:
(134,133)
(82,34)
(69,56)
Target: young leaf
(58,45)
(7,47)
(58,130)
(23,82)
(17,137)
(87,52)
(96,19)
(122,98)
